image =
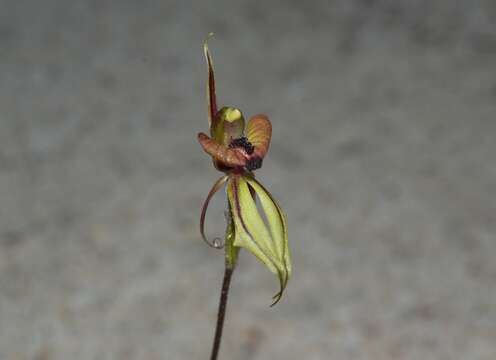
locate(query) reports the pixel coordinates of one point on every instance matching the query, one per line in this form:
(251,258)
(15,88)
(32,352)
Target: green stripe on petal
(268,242)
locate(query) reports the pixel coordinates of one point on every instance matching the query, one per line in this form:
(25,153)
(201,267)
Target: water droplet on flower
(217,243)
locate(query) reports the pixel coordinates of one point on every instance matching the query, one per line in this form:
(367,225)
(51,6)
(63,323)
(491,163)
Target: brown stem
(222,311)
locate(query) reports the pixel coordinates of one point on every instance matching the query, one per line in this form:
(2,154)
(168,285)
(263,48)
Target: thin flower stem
(222,311)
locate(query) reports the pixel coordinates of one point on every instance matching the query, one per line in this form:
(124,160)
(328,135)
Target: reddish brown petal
(227,156)
(258,132)
(212,101)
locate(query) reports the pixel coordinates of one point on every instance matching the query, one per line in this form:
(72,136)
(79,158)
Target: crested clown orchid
(237,151)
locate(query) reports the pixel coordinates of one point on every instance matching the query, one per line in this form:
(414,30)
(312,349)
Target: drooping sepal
(267,240)
(276,219)
(216,242)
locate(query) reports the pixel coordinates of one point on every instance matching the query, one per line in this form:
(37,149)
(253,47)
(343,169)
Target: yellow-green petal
(276,220)
(267,241)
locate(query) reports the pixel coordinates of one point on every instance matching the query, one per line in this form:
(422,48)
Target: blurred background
(383,157)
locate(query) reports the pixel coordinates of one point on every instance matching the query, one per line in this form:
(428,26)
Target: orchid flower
(238,151)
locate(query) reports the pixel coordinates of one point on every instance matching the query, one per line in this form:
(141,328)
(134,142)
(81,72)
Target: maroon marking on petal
(212,100)
(238,206)
(211,91)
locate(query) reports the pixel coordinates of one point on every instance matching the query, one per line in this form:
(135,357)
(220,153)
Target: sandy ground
(383,156)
